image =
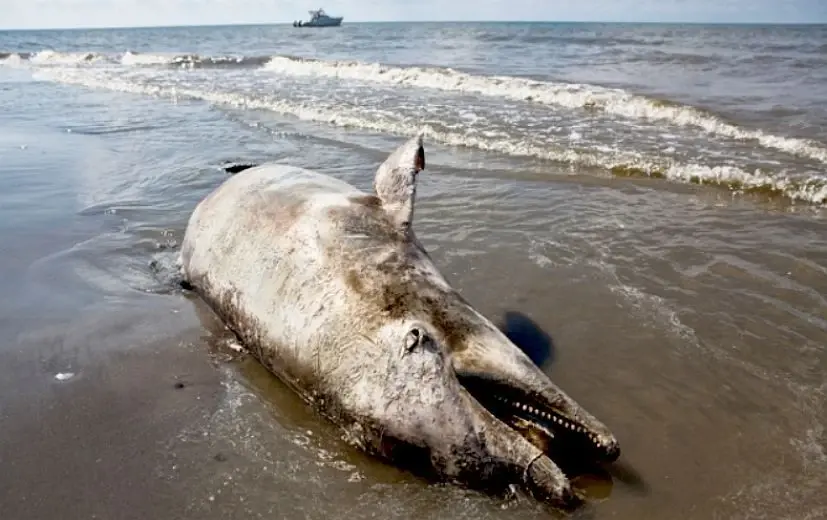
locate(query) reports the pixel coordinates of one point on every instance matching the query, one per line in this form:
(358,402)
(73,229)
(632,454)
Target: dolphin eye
(416,337)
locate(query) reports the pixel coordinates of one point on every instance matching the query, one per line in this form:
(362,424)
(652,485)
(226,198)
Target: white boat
(320,19)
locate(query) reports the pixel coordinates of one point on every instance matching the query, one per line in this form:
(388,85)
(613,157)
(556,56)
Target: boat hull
(330,22)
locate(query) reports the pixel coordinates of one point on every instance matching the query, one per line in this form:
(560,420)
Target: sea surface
(648,203)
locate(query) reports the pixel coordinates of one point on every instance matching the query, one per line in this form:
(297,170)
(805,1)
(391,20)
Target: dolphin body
(329,288)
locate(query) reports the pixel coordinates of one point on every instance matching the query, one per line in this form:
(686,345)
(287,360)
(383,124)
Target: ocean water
(740,107)
(650,200)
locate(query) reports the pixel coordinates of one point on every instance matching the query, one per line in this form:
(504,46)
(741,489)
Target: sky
(26,14)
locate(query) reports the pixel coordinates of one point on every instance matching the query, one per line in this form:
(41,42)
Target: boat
(319,18)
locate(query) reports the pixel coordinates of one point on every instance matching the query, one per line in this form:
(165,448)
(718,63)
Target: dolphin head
(414,409)
(440,385)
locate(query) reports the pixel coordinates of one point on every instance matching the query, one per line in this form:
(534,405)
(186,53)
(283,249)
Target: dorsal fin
(395,181)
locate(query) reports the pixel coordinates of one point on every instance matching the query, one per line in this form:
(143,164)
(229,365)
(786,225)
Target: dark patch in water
(220,457)
(529,337)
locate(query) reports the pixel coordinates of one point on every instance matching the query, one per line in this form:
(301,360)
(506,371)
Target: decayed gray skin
(330,289)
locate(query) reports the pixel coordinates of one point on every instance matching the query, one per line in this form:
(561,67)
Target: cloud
(108,13)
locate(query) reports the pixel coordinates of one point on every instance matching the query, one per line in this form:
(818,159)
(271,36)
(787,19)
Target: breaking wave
(616,102)
(192,60)
(613,101)
(131,59)
(811,190)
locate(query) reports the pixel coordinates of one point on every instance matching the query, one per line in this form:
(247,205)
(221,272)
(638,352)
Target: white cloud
(97,13)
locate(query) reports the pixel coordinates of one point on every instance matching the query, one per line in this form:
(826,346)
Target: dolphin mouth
(546,423)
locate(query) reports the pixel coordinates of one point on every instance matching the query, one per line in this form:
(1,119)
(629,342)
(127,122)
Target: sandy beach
(691,318)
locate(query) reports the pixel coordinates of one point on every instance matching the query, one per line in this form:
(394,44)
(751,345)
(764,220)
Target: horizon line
(360,22)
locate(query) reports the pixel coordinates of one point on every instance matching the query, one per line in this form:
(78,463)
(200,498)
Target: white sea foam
(137,59)
(614,101)
(812,191)
(49,57)
(134,59)
(11,60)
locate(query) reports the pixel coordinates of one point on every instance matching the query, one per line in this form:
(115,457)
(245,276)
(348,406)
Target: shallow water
(690,319)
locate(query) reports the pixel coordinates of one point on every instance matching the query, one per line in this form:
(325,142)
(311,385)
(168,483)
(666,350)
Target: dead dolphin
(329,288)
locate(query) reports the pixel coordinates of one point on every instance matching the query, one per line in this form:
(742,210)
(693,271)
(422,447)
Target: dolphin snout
(545,481)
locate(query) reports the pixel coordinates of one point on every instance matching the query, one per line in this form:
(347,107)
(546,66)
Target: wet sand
(693,323)
(95,445)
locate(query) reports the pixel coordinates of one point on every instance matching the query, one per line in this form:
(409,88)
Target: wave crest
(576,96)
(616,102)
(811,190)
